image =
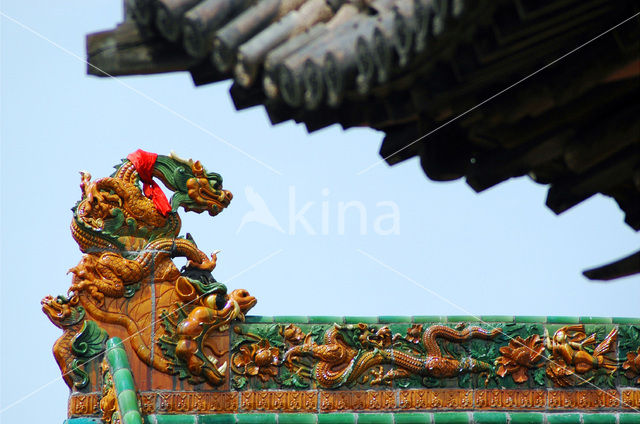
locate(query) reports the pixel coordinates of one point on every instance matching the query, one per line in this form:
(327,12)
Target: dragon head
(62,311)
(244,299)
(194,188)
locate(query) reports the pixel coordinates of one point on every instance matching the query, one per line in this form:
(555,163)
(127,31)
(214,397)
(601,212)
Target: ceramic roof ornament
(126,281)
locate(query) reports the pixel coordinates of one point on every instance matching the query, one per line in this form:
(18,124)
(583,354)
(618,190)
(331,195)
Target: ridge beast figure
(126,280)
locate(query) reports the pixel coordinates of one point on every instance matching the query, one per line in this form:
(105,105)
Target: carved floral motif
(257,359)
(293,334)
(519,356)
(631,366)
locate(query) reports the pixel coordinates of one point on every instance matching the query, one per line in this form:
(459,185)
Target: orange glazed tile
(510,399)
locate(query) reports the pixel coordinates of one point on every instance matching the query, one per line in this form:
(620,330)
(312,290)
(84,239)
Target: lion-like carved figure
(128,233)
(68,316)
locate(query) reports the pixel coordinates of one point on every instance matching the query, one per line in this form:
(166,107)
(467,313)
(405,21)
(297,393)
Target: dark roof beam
(494,166)
(566,193)
(624,267)
(131,50)
(596,143)
(394,146)
(627,195)
(445,155)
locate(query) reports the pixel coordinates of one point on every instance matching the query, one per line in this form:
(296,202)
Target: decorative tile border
(274,393)
(584,399)
(434,399)
(285,401)
(191,402)
(389,418)
(371,400)
(510,399)
(84,404)
(265,319)
(631,398)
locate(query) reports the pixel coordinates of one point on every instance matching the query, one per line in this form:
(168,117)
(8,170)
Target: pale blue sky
(498,252)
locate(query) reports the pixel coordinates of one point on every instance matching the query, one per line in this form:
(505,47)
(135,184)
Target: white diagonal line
(144,95)
(373,165)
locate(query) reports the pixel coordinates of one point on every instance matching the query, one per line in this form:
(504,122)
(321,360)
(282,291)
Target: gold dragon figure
(65,314)
(341,361)
(128,233)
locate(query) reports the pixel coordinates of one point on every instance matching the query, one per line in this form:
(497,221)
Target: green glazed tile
(412,418)
(462,318)
(256,418)
(284,319)
(429,318)
(296,419)
(123,380)
(598,419)
(114,343)
(451,418)
(628,418)
(175,419)
(530,319)
(132,417)
(390,319)
(621,320)
(497,318)
(526,418)
(217,419)
(117,358)
(325,320)
(490,418)
(357,320)
(258,319)
(595,320)
(375,418)
(563,418)
(336,418)
(127,401)
(563,320)
(83,420)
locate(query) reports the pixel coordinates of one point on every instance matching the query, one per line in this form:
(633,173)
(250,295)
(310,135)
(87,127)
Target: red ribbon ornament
(144,163)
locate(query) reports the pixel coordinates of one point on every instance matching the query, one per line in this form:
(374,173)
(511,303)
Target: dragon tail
(448,333)
(471,365)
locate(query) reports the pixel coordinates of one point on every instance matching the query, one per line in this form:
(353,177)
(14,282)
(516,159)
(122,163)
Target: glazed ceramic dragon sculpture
(126,279)
(339,362)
